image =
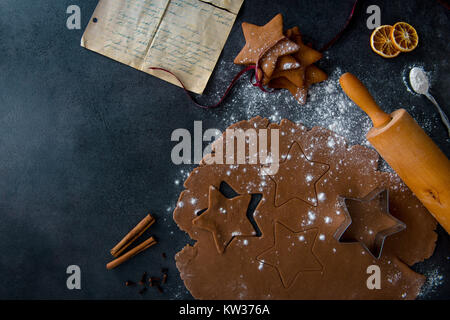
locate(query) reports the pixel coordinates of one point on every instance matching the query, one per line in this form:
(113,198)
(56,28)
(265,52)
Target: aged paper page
(183,36)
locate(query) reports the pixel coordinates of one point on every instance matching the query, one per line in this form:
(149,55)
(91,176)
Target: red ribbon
(257,83)
(336,38)
(230,86)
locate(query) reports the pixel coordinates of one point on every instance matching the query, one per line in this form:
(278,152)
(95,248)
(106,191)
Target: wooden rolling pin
(408,150)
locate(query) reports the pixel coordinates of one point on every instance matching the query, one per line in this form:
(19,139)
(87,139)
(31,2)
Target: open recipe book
(182,36)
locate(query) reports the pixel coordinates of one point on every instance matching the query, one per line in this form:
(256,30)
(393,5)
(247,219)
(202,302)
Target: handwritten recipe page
(183,36)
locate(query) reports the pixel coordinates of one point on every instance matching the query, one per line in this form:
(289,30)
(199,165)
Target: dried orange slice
(404,37)
(381,43)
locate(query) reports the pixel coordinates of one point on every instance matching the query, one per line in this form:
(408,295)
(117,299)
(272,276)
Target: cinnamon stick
(131,253)
(135,233)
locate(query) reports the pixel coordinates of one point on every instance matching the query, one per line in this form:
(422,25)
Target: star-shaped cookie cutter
(381,236)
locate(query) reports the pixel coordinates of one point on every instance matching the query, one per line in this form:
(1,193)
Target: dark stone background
(85,141)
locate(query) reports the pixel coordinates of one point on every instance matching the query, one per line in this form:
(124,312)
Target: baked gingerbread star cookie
(283,61)
(265,44)
(316,228)
(298,81)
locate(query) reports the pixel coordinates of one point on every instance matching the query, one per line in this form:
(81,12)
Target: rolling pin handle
(356,91)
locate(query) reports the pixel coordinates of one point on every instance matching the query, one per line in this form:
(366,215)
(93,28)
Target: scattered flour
(321,196)
(419,80)
(326,106)
(434,280)
(405,76)
(261,265)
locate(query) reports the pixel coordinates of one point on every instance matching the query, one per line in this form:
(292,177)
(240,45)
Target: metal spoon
(420,84)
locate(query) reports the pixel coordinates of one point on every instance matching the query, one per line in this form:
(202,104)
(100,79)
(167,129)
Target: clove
(143,279)
(130,283)
(143,290)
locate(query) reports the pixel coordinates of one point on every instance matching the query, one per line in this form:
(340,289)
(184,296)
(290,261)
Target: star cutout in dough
(225,218)
(369,222)
(292,253)
(297,177)
(259,39)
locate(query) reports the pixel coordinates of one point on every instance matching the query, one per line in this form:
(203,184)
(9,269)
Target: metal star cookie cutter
(381,235)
